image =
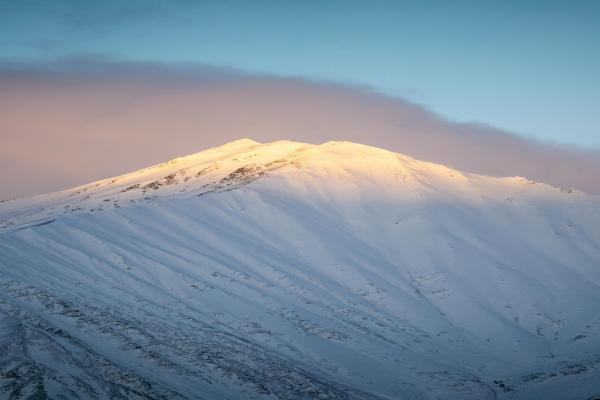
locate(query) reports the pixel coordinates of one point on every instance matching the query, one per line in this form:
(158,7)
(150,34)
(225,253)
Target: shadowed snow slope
(296,271)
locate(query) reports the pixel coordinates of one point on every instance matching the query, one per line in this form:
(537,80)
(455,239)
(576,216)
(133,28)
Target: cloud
(76,120)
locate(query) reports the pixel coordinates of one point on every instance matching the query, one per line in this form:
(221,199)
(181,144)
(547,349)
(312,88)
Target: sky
(523,69)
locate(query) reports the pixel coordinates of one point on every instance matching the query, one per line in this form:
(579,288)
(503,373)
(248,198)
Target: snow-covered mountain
(295,271)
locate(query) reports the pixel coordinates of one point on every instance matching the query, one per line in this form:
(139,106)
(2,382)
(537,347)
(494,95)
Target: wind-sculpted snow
(295,271)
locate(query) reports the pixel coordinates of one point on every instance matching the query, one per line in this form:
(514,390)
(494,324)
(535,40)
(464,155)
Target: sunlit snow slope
(296,271)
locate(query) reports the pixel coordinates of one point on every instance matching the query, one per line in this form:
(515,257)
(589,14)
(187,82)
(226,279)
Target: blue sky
(530,67)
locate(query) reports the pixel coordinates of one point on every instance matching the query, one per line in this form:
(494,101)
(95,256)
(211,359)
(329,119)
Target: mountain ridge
(244,158)
(301,271)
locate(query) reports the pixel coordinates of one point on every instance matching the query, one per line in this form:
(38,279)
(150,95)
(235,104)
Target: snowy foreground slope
(296,271)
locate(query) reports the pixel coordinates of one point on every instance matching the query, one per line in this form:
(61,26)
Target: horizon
(167,163)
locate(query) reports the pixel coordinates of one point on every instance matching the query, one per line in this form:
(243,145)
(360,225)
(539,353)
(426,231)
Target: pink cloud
(70,122)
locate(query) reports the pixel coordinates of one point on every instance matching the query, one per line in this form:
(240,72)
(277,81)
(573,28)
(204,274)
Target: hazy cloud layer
(71,122)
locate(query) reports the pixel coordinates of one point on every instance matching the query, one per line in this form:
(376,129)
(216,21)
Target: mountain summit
(330,167)
(296,271)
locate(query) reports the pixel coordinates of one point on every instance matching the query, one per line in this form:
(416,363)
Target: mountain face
(296,271)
